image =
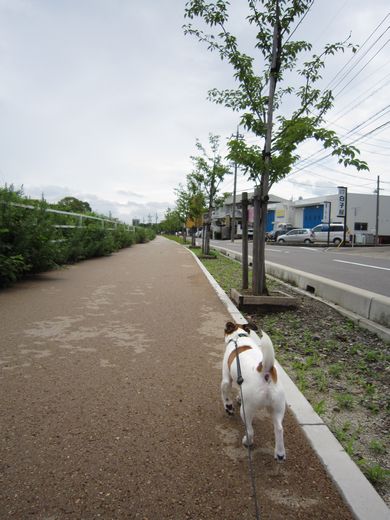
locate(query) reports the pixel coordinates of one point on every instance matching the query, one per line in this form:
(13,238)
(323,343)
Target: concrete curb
(358,493)
(369,309)
(369,305)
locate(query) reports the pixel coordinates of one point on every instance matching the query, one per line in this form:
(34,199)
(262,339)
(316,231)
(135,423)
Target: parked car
(281,229)
(301,236)
(336,233)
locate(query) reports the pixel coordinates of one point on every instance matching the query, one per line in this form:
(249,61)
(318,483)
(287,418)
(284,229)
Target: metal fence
(81,218)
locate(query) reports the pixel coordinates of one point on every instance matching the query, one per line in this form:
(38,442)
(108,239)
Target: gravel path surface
(110,403)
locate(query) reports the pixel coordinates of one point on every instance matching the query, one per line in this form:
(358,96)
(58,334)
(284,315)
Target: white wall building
(361,214)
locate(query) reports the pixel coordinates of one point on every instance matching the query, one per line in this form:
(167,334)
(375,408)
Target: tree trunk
(263,224)
(244,203)
(256,267)
(261,195)
(207,240)
(206,250)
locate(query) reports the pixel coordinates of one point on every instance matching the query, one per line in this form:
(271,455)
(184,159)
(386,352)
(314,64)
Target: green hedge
(30,243)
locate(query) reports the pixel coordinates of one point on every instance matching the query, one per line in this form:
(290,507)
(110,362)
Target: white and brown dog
(260,385)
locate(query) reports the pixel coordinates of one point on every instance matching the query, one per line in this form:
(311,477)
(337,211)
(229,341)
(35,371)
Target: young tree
(209,172)
(197,209)
(190,203)
(182,208)
(281,110)
(172,221)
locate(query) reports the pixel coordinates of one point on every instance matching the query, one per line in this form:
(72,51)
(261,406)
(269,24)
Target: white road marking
(363,265)
(311,249)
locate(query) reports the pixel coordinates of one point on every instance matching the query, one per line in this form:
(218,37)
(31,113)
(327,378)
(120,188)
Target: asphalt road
(364,268)
(110,402)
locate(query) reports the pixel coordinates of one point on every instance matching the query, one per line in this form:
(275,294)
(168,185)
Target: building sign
(279,213)
(342,201)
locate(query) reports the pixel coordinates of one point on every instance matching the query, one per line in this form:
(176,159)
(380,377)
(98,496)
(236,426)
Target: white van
(336,233)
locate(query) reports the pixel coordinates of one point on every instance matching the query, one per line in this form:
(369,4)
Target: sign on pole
(342,202)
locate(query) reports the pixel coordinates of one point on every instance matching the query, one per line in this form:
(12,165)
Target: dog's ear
(249,326)
(246,328)
(230,327)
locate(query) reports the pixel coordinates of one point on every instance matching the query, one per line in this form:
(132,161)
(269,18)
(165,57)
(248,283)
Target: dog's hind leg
(247,413)
(277,417)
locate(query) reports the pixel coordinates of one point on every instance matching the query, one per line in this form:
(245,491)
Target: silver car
(302,236)
(336,233)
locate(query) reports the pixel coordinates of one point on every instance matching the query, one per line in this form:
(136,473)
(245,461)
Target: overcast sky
(104,100)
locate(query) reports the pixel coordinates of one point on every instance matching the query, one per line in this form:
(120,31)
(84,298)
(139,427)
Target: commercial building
(365,215)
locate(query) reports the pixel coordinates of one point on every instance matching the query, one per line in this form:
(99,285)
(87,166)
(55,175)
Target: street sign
(342,201)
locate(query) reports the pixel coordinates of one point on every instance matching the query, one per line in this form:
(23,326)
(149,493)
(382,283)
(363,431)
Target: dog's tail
(267,366)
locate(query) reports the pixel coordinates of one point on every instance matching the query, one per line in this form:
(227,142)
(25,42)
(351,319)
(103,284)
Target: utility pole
(327,213)
(377,213)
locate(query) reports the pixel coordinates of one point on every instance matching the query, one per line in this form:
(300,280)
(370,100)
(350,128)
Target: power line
(325,29)
(300,21)
(343,173)
(351,132)
(370,120)
(357,100)
(374,152)
(357,53)
(371,92)
(352,142)
(378,128)
(361,70)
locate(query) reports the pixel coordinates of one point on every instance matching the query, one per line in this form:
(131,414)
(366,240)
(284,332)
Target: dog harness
(238,350)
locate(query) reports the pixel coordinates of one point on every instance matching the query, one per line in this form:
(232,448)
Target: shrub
(33,240)
(11,268)
(123,237)
(26,237)
(144,235)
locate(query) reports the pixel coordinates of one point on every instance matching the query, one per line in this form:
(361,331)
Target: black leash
(240,380)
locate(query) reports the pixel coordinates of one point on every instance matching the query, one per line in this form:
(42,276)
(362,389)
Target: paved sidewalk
(110,404)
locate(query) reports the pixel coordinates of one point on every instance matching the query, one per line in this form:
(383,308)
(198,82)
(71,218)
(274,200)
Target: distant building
(222,217)
(136,221)
(361,214)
